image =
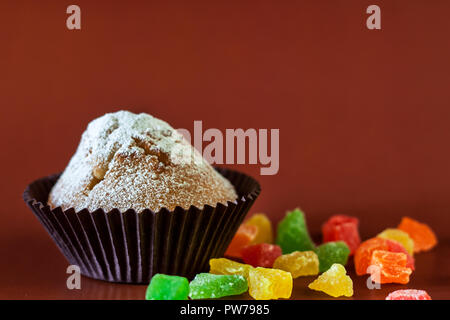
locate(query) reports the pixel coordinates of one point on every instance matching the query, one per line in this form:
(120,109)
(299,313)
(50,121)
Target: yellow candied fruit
(400,236)
(298,263)
(265,284)
(229,267)
(334,282)
(265,233)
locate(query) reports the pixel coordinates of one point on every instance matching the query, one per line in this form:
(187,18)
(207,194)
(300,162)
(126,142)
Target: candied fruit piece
(399,236)
(261,255)
(165,287)
(344,228)
(229,267)
(334,282)
(363,255)
(293,234)
(394,246)
(408,294)
(422,235)
(265,233)
(208,286)
(332,252)
(265,284)
(244,235)
(298,263)
(389,267)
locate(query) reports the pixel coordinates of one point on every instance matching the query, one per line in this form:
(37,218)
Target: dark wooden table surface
(34,269)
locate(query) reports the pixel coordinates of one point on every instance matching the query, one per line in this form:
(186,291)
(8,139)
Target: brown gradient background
(363,115)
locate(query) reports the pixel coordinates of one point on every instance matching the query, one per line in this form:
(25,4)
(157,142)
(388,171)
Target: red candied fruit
(261,255)
(408,294)
(344,228)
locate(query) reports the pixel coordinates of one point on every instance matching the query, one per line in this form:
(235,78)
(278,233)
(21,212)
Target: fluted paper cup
(132,246)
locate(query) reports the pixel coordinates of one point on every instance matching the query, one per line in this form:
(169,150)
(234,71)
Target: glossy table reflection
(33,268)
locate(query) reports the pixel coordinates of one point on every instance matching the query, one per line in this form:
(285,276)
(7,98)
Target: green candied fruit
(207,286)
(332,252)
(293,234)
(165,287)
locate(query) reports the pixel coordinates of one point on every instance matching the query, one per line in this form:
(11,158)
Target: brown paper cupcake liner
(132,246)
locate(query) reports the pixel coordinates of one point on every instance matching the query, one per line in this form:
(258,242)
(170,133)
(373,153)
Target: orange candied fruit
(243,237)
(389,267)
(424,238)
(363,254)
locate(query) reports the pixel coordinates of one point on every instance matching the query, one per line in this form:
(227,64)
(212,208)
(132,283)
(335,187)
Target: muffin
(135,161)
(137,199)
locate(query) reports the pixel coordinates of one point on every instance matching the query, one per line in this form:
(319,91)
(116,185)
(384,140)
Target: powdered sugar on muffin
(136,161)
